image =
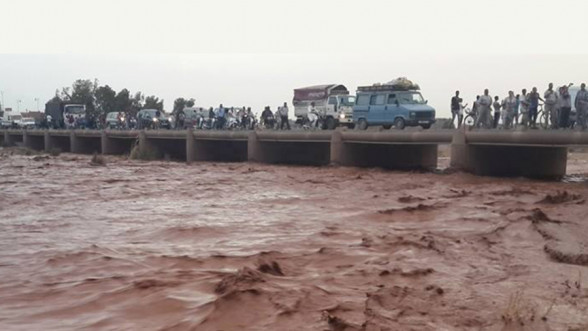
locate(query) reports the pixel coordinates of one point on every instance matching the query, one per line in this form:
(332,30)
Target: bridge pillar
(47,141)
(73,143)
(8,140)
(459,151)
(339,155)
(190,146)
(253,148)
(105,142)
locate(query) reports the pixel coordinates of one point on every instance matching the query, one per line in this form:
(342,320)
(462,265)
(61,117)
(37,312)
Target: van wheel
(362,124)
(426,126)
(387,127)
(330,124)
(399,123)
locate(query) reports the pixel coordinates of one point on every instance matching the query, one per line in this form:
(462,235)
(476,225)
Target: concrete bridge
(494,153)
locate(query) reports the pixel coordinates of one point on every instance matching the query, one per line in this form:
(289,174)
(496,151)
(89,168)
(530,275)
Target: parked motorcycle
(269,122)
(206,123)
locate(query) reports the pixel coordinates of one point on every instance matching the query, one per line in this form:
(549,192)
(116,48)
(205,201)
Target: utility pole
(18,105)
(37,100)
(2,92)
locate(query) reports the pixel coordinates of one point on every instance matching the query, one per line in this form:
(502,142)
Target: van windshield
(410,98)
(348,101)
(78,110)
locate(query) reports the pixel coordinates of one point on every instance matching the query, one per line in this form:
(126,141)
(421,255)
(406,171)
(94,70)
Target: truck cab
(340,108)
(331,101)
(389,106)
(74,115)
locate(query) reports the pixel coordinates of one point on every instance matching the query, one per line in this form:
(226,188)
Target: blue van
(388,106)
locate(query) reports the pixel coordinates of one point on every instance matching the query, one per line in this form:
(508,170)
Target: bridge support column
(8,141)
(253,148)
(47,141)
(339,155)
(190,147)
(26,139)
(106,143)
(459,151)
(74,144)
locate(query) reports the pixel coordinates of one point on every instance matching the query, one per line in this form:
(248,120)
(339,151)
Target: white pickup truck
(332,101)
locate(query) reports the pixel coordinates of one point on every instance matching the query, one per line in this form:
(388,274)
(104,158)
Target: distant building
(37,115)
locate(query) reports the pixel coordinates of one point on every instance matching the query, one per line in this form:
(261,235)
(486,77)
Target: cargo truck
(332,101)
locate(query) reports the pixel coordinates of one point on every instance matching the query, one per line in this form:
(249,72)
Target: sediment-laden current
(219,246)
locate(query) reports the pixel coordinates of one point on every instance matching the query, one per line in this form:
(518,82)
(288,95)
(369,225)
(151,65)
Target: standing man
(565,106)
(551,106)
(455,109)
(284,116)
(516,111)
(181,119)
(581,103)
(534,105)
(496,105)
(510,105)
(524,107)
(484,111)
(220,121)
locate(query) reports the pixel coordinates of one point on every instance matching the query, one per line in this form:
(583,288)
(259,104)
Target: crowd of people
(231,118)
(524,109)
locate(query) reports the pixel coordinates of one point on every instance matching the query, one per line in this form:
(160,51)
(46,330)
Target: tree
(123,101)
(81,92)
(181,103)
(105,98)
(153,102)
(137,103)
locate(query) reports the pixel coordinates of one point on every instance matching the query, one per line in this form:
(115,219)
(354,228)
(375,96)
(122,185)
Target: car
(113,122)
(192,116)
(152,119)
(5,123)
(27,123)
(390,105)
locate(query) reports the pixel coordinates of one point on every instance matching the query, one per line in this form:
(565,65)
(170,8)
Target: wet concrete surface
(242,246)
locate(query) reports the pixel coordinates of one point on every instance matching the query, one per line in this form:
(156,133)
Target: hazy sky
(256,52)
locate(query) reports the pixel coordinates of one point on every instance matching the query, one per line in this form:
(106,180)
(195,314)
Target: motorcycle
(269,122)
(206,123)
(313,120)
(231,123)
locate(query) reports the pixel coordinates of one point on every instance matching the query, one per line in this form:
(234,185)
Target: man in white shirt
(484,111)
(284,116)
(550,97)
(581,103)
(524,108)
(509,109)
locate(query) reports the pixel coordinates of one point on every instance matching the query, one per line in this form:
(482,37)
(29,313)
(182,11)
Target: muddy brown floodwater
(169,246)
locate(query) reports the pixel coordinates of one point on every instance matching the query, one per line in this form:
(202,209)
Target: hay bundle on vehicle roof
(403,83)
